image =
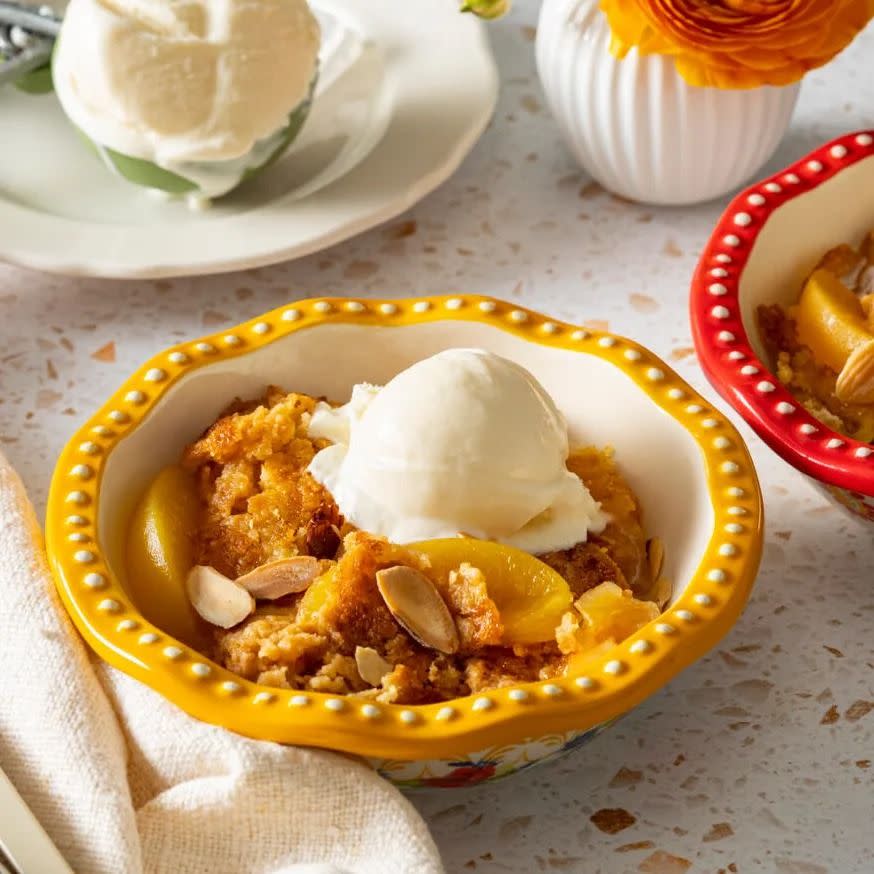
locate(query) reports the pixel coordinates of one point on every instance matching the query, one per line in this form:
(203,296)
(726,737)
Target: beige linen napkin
(125,783)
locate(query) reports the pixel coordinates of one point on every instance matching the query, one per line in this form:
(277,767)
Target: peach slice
(611,613)
(159,554)
(530,596)
(830,320)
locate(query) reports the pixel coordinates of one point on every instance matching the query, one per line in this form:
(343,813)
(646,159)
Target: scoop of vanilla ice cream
(181,81)
(462,442)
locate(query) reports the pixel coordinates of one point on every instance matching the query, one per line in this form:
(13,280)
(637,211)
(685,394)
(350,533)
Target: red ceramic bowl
(765,244)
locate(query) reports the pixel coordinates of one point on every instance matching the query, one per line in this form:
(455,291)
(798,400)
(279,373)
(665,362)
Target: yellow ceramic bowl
(685,460)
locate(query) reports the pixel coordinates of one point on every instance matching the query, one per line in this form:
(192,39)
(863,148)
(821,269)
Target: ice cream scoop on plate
(190,97)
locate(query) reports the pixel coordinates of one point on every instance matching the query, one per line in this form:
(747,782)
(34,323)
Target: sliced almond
(661,592)
(372,667)
(217,598)
(285,576)
(655,554)
(418,607)
(855,383)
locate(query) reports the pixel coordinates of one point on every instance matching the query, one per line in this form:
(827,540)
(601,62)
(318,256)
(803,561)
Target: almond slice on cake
(855,384)
(217,598)
(285,576)
(418,607)
(372,667)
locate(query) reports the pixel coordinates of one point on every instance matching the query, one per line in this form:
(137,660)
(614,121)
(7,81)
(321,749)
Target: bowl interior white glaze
(602,405)
(798,234)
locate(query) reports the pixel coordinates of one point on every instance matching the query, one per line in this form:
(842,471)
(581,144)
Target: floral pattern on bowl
(485,766)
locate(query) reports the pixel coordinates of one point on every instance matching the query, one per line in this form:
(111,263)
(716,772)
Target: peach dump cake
(427,540)
(823,345)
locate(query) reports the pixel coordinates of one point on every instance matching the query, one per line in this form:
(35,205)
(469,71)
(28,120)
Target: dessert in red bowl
(781,319)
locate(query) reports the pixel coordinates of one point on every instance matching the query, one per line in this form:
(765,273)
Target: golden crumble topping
(811,382)
(260,502)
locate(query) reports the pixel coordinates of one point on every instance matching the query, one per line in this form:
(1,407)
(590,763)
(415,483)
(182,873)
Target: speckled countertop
(756,759)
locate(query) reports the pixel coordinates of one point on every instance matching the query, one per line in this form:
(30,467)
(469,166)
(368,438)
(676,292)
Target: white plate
(406,90)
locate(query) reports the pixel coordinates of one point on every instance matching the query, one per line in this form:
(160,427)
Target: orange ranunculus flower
(737,43)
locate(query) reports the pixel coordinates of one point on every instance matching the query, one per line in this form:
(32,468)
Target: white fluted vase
(637,127)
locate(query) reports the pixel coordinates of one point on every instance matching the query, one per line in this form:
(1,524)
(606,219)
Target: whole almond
(855,383)
(217,598)
(285,576)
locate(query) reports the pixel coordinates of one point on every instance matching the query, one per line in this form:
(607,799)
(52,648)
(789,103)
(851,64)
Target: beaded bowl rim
(634,669)
(721,340)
